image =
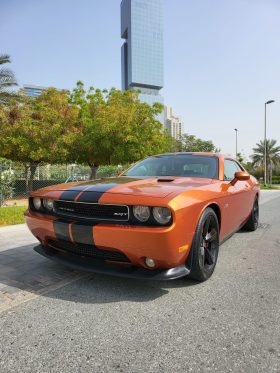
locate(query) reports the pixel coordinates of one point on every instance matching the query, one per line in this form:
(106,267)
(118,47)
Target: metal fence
(18,179)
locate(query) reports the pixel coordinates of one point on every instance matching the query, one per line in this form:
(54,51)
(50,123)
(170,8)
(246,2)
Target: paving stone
(22,270)
(3,288)
(10,290)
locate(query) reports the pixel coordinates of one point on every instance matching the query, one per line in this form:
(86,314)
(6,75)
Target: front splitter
(120,270)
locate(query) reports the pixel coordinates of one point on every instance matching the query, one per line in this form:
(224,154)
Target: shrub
(7,181)
(275,179)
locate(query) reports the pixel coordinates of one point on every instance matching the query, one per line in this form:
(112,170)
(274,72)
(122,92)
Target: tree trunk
(33,167)
(26,169)
(93,171)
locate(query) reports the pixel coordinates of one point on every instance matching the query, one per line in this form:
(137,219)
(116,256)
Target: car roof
(219,155)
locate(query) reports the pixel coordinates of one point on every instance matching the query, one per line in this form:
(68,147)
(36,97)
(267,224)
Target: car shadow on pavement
(24,271)
(99,289)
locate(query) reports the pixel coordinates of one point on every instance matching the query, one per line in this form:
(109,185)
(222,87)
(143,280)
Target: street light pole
(236,130)
(265,155)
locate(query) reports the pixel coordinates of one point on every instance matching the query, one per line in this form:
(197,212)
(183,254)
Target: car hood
(154,187)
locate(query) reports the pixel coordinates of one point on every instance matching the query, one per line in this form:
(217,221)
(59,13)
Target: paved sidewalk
(14,236)
(24,274)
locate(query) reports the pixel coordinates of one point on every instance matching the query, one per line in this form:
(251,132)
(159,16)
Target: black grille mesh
(89,251)
(94,211)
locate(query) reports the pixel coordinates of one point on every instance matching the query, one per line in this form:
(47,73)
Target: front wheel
(205,247)
(253,221)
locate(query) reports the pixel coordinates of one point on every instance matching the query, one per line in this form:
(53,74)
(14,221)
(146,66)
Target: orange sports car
(163,218)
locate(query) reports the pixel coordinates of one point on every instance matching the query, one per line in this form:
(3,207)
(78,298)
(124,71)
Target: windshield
(184,165)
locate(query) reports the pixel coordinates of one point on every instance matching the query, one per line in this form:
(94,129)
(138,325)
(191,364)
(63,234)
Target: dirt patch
(16,202)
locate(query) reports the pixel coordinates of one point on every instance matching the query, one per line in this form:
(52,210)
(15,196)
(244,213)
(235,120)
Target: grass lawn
(263,186)
(12,215)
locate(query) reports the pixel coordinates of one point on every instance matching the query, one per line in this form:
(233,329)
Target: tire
(253,221)
(205,246)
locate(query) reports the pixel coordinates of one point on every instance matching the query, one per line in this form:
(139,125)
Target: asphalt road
(230,323)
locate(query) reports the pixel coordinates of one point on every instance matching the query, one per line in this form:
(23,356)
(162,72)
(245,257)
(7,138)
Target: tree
(7,180)
(7,80)
(40,129)
(240,157)
(272,154)
(191,143)
(116,128)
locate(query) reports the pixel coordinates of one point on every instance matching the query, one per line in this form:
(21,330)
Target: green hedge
(19,185)
(275,179)
(19,189)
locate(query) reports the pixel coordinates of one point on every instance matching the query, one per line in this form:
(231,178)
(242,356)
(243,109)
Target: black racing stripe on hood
(96,187)
(70,195)
(94,193)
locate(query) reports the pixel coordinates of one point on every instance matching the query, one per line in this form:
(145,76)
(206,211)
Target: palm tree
(272,154)
(7,80)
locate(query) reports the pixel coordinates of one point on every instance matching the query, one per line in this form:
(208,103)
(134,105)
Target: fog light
(150,262)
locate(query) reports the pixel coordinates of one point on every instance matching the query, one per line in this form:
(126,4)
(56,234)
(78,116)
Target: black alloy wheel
(205,247)
(253,221)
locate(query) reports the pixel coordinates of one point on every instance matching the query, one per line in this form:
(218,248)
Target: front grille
(89,251)
(91,211)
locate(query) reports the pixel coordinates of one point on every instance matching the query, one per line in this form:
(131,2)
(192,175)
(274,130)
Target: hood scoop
(165,180)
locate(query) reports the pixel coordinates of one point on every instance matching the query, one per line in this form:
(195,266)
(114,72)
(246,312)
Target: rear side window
(230,167)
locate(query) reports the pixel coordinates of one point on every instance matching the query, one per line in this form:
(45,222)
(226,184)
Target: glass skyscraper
(142,51)
(33,90)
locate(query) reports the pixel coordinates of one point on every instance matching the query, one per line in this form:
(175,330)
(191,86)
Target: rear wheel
(205,247)
(253,221)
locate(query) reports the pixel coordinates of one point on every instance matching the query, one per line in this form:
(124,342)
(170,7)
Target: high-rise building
(33,90)
(173,124)
(142,51)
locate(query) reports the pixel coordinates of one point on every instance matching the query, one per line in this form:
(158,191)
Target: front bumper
(168,246)
(121,270)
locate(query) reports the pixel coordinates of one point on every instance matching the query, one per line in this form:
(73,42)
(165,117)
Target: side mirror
(240,176)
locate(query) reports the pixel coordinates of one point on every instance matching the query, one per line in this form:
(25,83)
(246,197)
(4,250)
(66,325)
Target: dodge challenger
(164,218)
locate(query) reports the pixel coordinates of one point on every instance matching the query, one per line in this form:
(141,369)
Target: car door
(246,195)
(238,194)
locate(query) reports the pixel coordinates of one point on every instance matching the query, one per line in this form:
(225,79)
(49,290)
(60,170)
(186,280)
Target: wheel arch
(216,208)
(191,261)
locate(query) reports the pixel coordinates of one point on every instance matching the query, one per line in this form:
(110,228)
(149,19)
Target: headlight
(141,213)
(162,215)
(37,203)
(48,204)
